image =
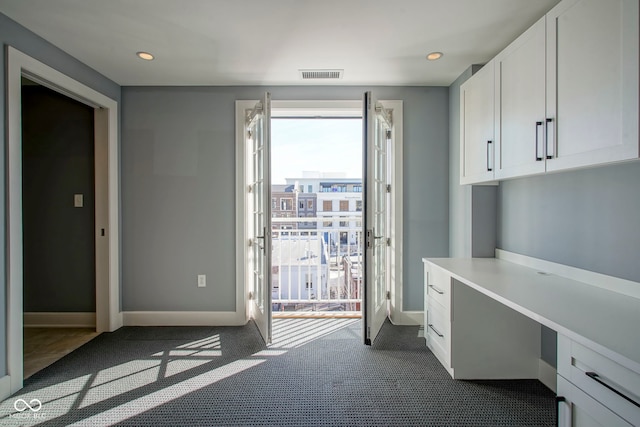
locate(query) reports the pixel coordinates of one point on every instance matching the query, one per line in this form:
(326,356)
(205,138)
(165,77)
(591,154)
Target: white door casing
(320,108)
(108,315)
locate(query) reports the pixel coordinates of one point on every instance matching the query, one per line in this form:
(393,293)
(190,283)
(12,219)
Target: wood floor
(43,346)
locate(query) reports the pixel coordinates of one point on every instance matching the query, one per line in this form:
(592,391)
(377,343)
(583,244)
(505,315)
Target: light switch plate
(78,200)
(202,280)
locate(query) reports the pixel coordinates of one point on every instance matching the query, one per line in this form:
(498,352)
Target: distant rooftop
(298,250)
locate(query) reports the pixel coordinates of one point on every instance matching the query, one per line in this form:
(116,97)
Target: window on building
(310,189)
(286,204)
(357,188)
(358,205)
(327,205)
(344,206)
(327,224)
(309,205)
(274,203)
(301,205)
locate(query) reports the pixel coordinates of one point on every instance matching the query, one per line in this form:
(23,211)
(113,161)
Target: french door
(258,145)
(377,129)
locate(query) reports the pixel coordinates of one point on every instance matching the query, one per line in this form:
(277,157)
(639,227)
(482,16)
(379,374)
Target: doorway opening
(316,221)
(380,216)
(58,219)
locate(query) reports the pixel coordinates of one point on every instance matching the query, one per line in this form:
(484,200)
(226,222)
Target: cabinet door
(477,127)
(520,74)
(581,410)
(592,82)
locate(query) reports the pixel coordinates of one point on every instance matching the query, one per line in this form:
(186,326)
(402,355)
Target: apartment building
(338,200)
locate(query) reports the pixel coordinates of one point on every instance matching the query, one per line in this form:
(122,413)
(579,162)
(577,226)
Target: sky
(325,145)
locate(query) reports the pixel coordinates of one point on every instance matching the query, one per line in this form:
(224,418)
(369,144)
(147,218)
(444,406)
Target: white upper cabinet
(520,75)
(592,82)
(566,94)
(477,126)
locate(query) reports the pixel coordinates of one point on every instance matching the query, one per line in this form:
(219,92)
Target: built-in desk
(482,321)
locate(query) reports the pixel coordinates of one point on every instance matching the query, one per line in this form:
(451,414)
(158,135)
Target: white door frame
(107,229)
(314,108)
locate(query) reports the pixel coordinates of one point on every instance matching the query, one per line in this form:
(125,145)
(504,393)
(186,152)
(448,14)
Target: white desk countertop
(605,320)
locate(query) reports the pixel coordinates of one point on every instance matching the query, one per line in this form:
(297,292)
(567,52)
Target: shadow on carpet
(317,372)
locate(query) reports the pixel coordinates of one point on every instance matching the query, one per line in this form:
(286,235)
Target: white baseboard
(547,375)
(59,320)
(183,318)
(407,318)
(5,387)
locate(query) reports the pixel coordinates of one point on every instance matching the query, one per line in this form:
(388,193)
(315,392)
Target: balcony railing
(316,267)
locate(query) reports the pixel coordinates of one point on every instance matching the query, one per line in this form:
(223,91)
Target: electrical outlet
(202,280)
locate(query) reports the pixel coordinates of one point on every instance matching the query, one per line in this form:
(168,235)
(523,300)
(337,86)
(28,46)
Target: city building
(338,206)
(283,205)
(307,208)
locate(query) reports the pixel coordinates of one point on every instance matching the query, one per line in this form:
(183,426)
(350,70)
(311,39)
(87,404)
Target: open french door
(258,143)
(377,126)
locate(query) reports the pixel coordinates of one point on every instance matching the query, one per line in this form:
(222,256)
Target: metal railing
(317,267)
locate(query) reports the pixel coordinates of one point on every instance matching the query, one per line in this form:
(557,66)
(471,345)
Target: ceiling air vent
(321,74)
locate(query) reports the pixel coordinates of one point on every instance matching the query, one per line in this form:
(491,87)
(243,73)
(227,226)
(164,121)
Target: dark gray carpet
(225,376)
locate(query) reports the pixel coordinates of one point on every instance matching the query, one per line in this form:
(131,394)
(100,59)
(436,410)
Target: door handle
(550,153)
(538,156)
(594,376)
(263,238)
(437,290)
(559,399)
(435,330)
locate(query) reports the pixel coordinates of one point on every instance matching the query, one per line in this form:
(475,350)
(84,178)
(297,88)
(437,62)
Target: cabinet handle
(489,168)
(594,376)
(435,330)
(538,156)
(436,289)
(559,399)
(550,152)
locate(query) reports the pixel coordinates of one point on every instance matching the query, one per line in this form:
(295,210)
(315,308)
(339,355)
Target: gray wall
(15,35)
(58,238)
(178,179)
(586,219)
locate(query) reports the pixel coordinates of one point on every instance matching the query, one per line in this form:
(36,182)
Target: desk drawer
(437,330)
(578,409)
(612,384)
(438,285)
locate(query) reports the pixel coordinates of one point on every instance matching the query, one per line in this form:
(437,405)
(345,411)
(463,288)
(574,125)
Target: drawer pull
(436,289)
(436,331)
(538,156)
(596,378)
(559,399)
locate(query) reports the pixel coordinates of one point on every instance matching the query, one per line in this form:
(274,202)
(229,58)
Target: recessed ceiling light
(434,56)
(145,55)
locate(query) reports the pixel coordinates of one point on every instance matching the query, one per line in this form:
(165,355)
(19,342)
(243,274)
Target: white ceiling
(266,42)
